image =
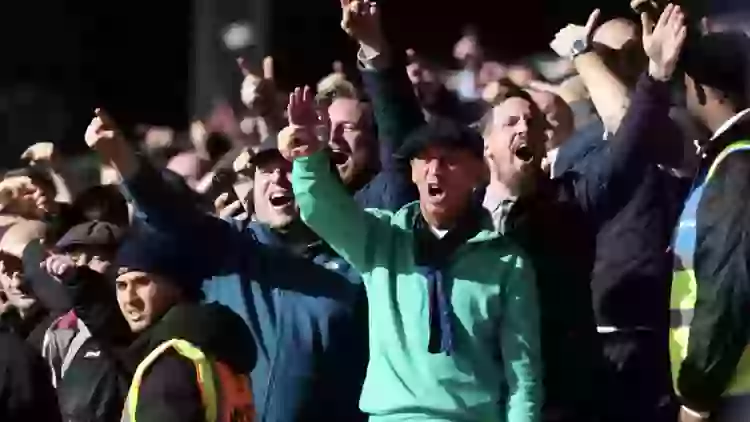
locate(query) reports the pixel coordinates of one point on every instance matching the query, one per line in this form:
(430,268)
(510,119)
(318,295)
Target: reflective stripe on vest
(684,286)
(226,396)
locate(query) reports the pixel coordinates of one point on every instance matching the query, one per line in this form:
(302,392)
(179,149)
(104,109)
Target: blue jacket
(306,310)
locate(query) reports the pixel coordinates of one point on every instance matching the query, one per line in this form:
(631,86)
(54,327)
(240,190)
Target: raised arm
(165,208)
(608,93)
(325,206)
(395,107)
(647,124)
(520,345)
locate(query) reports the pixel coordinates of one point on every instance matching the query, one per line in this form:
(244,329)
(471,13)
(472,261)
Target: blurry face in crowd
(559,117)
(13,283)
(272,193)
(425,82)
(190,166)
(445,179)
(31,201)
(144,298)
(517,129)
(521,75)
(350,137)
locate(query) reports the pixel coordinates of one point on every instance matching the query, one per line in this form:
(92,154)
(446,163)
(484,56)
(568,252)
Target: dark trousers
(636,377)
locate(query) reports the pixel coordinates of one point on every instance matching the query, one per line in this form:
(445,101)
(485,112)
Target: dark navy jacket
(307,311)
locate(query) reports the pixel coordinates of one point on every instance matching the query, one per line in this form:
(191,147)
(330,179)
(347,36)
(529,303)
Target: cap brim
(265,155)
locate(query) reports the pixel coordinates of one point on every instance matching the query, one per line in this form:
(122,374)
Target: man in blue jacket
(304,305)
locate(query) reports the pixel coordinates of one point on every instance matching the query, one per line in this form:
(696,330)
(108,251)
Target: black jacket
(26,392)
(169,392)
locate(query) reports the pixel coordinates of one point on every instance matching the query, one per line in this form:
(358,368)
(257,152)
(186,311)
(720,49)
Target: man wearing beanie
(185,361)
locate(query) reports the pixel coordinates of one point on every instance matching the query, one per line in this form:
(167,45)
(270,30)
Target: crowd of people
(491,244)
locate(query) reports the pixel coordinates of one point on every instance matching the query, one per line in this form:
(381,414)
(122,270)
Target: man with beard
(302,303)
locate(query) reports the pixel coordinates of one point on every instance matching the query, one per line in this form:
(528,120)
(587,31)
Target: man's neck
(716,118)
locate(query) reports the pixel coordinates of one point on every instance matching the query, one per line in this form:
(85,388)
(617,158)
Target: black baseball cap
(443,132)
(266,151)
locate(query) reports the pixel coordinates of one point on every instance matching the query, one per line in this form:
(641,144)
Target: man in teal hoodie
(453,318)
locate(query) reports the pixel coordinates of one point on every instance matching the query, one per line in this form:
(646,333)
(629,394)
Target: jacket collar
(738,118)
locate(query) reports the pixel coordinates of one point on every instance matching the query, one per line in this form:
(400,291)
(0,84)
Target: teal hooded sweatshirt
(494,372)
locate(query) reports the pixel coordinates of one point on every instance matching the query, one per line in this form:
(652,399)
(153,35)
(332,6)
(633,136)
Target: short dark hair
(720,61)
(511,91)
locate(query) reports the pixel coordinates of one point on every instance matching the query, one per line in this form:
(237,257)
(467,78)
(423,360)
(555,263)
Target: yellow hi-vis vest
(684,285)
(226,396)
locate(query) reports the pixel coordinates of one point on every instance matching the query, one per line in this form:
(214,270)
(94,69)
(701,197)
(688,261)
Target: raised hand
(104,136)
(570,40)
(40,153)
(298,139)
(663,41)
(102,131)
(60,267)
(361,21)
(258,92)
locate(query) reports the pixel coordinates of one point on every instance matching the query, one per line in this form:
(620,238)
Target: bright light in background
(239,35)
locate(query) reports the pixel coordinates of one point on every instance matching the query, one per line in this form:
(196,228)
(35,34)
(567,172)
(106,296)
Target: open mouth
(339,157)
(279,200)
(524,153)
(435,191)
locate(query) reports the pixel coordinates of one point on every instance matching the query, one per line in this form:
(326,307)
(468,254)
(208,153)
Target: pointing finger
(593,20)
(268,70)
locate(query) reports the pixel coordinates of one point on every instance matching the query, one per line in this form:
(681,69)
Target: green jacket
(494,374)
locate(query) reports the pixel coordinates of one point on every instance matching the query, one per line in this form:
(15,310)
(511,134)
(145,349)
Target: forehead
(433,151)
(512,107)
(345,109)
(272,163)
(125,275)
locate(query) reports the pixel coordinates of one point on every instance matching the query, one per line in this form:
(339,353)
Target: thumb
(268,70)
(592,22)
(647,24)
(345,4)
(221,200)
(231,209)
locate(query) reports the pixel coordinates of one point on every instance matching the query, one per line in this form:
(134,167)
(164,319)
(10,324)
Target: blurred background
(165,65)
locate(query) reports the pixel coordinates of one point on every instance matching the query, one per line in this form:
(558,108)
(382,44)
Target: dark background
(62,58)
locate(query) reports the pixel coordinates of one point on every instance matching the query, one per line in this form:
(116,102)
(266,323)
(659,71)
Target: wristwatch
(579,47)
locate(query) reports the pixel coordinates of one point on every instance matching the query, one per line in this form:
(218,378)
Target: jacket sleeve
(177,215)
(720,326)
(332,213)
(619,169)
(397,113)
(169,392)
(520,345)
(94,302)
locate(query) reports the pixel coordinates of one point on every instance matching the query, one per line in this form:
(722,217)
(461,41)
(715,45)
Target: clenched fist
(102,131)
(361,21)
(60,267)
